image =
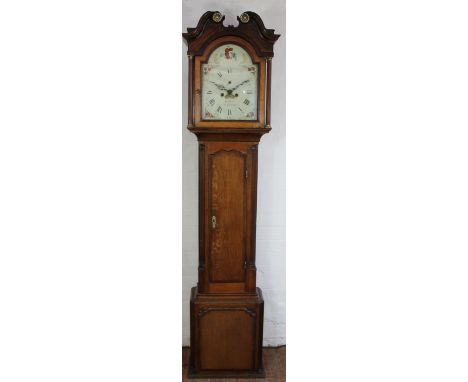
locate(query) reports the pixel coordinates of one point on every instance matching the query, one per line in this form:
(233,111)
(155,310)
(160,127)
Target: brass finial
(217,16)
(244,18)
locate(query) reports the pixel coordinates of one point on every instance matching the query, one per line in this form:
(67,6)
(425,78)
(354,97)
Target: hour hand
(219,86)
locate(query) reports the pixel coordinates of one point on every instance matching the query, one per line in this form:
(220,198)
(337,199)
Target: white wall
(271,209)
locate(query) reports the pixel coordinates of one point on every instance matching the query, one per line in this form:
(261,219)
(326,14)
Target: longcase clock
(229,92)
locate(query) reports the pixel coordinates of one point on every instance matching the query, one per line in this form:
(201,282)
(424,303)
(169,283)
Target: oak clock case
(229,92)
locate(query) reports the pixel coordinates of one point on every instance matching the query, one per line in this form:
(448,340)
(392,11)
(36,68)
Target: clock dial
(229,85)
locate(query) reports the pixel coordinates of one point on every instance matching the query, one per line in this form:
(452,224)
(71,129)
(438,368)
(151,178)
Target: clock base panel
(226,335)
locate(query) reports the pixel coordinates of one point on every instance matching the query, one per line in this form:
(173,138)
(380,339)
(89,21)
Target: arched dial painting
(229,85)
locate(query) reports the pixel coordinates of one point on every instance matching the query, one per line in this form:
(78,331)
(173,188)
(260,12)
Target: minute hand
(219,86)
(242,83)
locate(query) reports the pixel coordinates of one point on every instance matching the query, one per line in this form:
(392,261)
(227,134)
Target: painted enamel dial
(229,85)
